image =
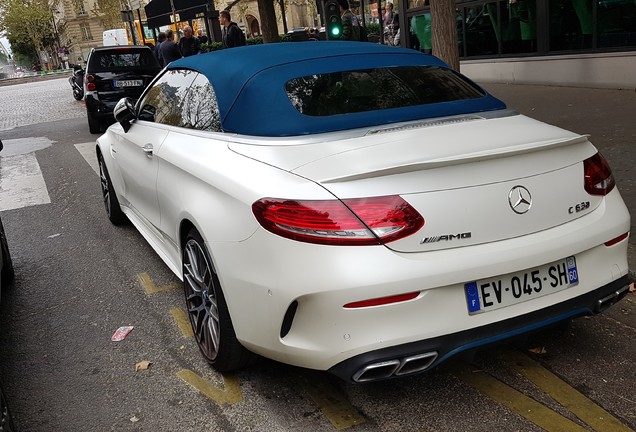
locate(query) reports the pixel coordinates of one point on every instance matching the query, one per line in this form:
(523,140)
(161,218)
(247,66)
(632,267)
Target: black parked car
(114,72)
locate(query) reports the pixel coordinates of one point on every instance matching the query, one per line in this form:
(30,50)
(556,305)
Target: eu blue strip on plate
(472,296)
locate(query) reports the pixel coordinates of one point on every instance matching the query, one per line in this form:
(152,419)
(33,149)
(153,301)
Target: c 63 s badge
(446,237)
(579,207)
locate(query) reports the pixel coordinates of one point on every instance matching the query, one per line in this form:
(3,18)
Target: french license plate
(128,83)
(500,291)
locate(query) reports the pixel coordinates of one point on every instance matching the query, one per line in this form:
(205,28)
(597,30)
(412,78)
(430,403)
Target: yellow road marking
(149,286)
(331,402)
(579,405)
(183,322)
(514,400)
(230,394)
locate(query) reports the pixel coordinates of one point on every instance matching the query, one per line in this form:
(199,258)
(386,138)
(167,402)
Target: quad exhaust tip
(609,300)
(396,367)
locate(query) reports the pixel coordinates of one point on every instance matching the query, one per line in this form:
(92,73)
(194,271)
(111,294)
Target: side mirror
(124,112)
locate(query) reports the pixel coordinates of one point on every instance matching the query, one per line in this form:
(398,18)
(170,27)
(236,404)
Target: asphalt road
(79,278)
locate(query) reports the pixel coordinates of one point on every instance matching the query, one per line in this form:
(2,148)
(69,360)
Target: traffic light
(333,23)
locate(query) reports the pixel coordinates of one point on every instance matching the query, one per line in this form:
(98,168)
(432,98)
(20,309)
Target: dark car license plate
(128,83)
(500,291)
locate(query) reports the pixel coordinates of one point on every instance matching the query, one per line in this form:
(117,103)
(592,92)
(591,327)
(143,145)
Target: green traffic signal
(335,31)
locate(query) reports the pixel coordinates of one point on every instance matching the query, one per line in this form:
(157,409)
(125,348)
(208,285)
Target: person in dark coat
(169,50)
(188,44)
(160,38)
(233,36)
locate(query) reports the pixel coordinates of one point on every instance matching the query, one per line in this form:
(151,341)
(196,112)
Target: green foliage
(256,40)
(28,24)
(212,46)
(373,28)
(109,13)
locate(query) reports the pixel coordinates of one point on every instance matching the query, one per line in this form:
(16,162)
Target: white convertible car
(359,208)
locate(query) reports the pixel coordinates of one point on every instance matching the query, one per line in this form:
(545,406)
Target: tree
(108,13)
(28,24)
(444,32)
(269,26)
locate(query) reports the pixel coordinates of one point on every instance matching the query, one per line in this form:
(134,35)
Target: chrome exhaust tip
(416,363)
(377,371)
(397,367)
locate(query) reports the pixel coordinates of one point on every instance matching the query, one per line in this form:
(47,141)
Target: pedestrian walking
(188,44)
(169,50)
(233,36)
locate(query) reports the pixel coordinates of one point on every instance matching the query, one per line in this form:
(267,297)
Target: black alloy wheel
(111,203)
(207,309)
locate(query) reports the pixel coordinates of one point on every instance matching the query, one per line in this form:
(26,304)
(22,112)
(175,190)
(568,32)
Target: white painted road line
(87,150)
(21,182)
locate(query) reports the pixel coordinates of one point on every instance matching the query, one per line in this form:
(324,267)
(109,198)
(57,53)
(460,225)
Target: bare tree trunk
(444,32)
(269,27)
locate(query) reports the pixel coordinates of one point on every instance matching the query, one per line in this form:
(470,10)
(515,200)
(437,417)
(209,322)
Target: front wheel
(111,203)
(207,309)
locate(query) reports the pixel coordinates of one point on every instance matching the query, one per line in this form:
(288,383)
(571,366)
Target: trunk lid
(463,178)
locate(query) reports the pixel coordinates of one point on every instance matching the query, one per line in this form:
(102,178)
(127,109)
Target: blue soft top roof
(249,83)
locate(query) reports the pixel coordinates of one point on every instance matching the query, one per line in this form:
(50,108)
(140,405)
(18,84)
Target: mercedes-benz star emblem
(520,199)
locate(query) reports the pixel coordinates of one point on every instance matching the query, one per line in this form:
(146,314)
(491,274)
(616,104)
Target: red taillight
(360,221)
(382,300)
(598,175)
(90,85)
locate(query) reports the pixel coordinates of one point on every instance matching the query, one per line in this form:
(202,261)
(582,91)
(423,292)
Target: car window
(121,59)
(377,89)
(201,110)
(182,98)
(166,100)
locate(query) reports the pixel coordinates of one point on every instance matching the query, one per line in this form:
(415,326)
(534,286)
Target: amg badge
(447,237)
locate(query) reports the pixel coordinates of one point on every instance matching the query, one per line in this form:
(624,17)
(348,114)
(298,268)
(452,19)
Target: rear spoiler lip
(462,159)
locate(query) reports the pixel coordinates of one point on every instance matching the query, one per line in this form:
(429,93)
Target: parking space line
(149,286)
(183,322)
(578,404)
(332,403)
(514,400)
(230,394)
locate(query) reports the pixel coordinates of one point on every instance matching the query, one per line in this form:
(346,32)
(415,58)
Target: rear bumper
(423,355)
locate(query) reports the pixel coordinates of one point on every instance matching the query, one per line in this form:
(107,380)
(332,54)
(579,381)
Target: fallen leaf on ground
(134,419)
(631,287)
(538,350)
(121,333)
(142,365)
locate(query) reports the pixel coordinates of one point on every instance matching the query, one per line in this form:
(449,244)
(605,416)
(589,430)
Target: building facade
(563,42)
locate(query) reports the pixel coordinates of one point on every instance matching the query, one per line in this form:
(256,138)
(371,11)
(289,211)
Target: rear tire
(111,203)
(207,309)
(93,125)
(78,95)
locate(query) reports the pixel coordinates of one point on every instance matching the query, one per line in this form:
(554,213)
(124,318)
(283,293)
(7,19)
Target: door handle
(148,149)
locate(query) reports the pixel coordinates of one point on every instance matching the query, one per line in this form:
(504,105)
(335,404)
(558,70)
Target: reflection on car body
(319,222)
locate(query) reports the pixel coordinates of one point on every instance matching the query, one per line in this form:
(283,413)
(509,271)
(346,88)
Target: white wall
(607,70)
